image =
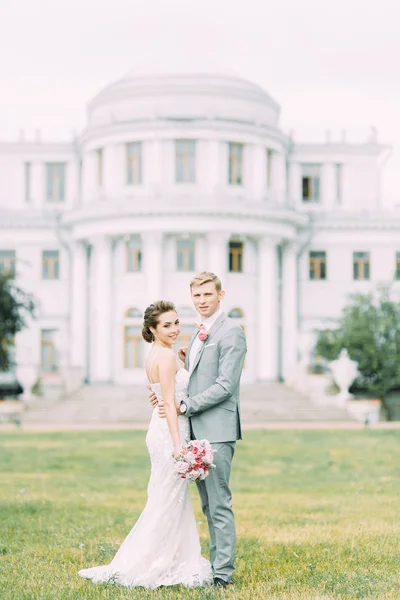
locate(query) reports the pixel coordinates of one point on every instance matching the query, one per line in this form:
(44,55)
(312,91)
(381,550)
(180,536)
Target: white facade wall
(88,303)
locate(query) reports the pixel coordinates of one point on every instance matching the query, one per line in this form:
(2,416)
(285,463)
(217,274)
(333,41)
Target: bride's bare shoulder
(165,357)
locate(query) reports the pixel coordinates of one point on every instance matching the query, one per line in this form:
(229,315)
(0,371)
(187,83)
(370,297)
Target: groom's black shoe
(221,583)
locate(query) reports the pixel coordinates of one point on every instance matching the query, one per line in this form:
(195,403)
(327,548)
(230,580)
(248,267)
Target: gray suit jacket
(213,403)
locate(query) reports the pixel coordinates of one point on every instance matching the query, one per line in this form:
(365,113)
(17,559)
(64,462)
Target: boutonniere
(203,333)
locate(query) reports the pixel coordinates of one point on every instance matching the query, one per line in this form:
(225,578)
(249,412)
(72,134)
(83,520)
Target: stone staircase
(107,405)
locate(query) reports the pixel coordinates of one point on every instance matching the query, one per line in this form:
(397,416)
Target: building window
(397,273)
(50,264)
(134,163)
(185,255)
(235,163)
(7,262)
(269,167)
(236,257)
(186,312)
(133,256)
(236,313)
(311,177)
(99,158)
(133,313)
(361,265)
(185,335)
(317,265)
(338,177)
(48,353)
(187,317)
(133,347)
(185,161)
(55,182)
(27,178)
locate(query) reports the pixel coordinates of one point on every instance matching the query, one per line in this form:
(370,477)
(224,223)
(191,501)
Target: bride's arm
(167,372)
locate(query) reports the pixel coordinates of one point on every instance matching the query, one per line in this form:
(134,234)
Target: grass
(317,514)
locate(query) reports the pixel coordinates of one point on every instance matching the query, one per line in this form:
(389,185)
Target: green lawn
(318,514)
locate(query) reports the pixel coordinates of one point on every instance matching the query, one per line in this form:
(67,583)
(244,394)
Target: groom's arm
(231,359)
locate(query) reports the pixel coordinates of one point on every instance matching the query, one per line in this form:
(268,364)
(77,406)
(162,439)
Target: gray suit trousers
(216,503)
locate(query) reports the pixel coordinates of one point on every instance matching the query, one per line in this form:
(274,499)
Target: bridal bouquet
(195,461)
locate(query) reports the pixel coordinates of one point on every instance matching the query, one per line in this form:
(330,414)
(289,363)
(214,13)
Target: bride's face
(168,328)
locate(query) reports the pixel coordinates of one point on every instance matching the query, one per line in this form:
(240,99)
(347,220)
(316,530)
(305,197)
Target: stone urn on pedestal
(298,379)
(54,382)
(27,372)
(344,372)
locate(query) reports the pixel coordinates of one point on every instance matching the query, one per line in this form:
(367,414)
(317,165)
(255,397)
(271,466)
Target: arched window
(186,312)
(133,341)
(236,313)
(133,348)
(133,255)
(187,317)
(133,313)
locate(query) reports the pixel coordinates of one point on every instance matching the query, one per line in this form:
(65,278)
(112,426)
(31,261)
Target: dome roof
(177,65)
(181,89)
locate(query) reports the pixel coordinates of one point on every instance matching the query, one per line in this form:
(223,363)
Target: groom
(214,359)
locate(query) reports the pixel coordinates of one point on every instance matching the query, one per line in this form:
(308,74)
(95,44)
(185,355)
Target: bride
(163,548)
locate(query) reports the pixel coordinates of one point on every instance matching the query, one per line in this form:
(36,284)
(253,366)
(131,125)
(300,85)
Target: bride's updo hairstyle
(152,316)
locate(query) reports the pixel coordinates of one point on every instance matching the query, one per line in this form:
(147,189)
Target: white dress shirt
(208,323)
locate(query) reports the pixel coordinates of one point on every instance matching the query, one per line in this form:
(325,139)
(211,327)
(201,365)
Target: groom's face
(206,299)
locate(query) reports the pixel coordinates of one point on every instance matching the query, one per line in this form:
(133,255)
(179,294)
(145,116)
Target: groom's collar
(208,323)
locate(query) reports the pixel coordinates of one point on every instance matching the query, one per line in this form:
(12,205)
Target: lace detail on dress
(163,548)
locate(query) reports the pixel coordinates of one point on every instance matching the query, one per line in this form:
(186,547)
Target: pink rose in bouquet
(195,461)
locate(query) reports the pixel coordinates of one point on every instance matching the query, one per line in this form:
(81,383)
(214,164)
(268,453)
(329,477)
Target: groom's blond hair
(206,277)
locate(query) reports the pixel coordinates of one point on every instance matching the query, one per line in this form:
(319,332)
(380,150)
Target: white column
(89,176)
(223,161)
(295,190)
(289,310)
(328,185)
(153,264)
(201,253)
(279,176)
(255,176)
(267,310)
(218,254)
(78,324)
(209,164)
(38,184)
(101,297)
(72,182)
(107,170)
(152,165)
(114,163)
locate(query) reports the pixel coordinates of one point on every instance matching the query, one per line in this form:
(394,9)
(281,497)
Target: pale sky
(329,64)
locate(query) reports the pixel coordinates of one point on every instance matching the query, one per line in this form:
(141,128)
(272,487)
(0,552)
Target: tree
(369,328)
(15,307)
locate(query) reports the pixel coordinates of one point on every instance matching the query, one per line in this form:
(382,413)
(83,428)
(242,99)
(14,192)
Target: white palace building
(177,173)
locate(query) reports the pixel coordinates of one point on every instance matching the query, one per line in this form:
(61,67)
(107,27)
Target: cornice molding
(368,148)
(229,209)
(356,221)
(231,126)
(37,148)
(27,220)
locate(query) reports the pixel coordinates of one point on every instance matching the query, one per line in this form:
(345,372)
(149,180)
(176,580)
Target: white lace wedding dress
(163,548)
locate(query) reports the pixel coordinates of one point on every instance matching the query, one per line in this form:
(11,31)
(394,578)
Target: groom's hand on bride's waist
(152,397)
(154,403)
